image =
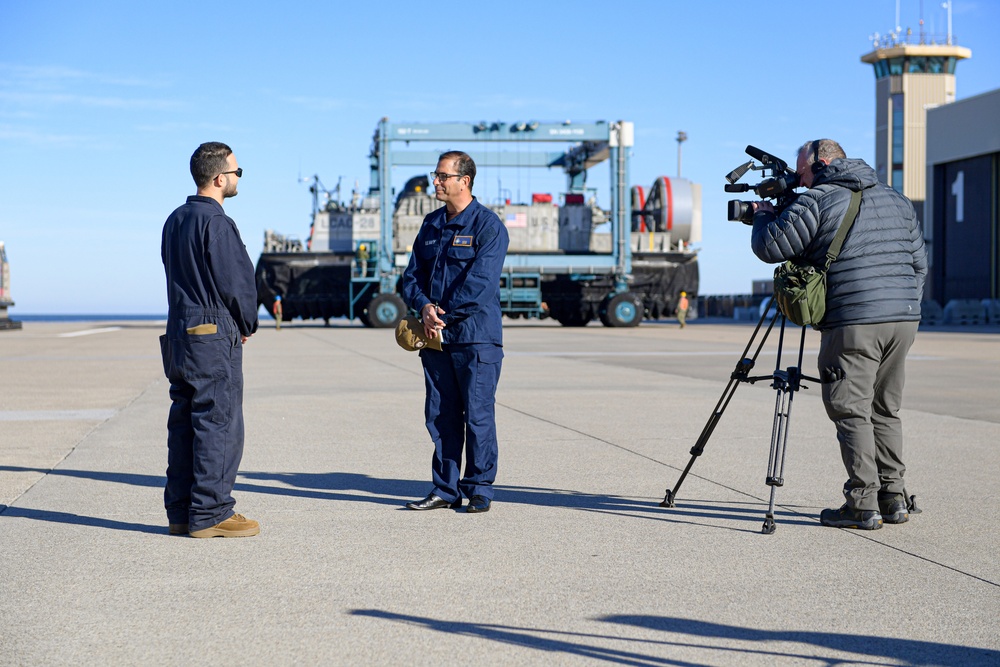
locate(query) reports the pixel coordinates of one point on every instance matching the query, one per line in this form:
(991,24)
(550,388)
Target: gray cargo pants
(862,369)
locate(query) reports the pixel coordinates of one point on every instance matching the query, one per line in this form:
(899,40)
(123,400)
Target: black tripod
(785,382)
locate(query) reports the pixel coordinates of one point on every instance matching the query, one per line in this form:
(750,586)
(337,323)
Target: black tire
(384,311)
(622,310)
(574,318)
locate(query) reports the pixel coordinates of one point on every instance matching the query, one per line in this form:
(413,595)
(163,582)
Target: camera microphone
(738,173)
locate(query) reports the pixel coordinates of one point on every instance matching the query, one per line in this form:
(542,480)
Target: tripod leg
(911,503)
(706,433)
(786,383)
(776,460)
(740,374)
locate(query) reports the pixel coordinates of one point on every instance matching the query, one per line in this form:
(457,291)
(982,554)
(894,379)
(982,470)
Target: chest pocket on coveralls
(461,254)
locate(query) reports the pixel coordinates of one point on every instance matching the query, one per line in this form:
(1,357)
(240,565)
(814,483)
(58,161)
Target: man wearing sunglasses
(212,311)
(453,281)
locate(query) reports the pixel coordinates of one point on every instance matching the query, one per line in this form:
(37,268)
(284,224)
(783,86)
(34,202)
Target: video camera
(779,186)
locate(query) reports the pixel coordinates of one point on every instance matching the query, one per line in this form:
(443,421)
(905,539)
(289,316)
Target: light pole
(681,138)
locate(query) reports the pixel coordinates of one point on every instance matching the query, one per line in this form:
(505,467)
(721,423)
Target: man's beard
(229,192)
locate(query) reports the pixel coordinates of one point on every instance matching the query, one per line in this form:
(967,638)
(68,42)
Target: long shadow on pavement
(643,651)
(397,491)
(338,486)
(76,519)
(910,651)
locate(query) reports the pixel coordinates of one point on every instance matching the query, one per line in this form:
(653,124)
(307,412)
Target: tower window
(898,141)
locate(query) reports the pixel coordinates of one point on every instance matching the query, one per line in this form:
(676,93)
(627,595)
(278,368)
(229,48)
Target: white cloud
(93,101)
(318,103)
(39,138)
(174,126)
(49,75)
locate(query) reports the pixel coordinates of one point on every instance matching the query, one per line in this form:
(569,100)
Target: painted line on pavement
(56,415)
(87,332)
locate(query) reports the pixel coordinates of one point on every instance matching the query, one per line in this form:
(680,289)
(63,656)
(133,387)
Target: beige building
(909,79)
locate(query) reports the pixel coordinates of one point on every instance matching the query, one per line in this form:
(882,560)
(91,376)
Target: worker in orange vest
(682,308)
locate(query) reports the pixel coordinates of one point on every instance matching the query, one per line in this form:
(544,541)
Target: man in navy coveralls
(212,301)
(453,280)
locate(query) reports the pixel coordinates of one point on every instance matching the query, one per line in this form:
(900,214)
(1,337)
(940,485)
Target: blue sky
(102,104)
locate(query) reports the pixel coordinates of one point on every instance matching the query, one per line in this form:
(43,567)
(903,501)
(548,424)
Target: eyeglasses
(238,172)
(441,176)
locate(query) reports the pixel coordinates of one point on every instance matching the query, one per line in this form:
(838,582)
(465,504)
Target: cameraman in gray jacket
(874,289)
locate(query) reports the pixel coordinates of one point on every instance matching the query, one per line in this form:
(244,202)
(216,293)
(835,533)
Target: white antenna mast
(948,6)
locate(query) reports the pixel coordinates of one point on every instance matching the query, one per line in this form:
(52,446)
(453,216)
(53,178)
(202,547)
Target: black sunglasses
(238,172)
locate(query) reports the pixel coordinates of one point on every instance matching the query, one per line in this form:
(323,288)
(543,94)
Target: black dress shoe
(478,504)
(434,502)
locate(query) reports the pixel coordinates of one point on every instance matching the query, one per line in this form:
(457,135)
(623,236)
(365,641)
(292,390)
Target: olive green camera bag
(800,289)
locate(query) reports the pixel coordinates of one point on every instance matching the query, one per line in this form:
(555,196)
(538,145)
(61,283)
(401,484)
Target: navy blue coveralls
(212,300)
(456,264)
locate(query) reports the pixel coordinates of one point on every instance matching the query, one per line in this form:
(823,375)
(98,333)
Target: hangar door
(965,229)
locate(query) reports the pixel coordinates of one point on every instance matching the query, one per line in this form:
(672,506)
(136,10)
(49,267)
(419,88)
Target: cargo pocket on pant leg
(836,393)
(488,373)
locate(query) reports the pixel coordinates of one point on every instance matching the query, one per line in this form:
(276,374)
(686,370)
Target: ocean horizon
(97,317)
(82,317)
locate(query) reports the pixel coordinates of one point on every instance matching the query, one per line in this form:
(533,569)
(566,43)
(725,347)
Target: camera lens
(740,211)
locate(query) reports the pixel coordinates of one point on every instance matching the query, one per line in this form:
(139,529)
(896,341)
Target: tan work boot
(235,526)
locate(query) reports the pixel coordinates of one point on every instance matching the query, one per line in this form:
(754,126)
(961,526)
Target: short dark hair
(822,149)
(463,164)
(208,161)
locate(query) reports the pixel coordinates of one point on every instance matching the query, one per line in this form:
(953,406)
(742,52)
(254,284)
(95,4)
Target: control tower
(910,76)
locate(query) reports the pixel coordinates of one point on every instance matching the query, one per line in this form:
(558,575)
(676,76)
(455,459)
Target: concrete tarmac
(576,563)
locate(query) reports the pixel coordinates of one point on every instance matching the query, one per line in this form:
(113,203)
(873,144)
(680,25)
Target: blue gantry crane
(582,276)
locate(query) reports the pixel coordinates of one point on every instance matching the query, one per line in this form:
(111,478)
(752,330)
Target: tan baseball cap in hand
(411,337)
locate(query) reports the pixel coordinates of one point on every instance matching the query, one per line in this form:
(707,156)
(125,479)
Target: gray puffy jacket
(879,274)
